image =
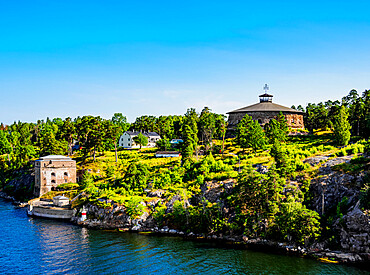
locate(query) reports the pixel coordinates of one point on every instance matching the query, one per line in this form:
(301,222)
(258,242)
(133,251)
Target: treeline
(21,141)
(322,115)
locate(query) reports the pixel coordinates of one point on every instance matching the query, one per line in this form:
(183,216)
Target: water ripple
(34,246)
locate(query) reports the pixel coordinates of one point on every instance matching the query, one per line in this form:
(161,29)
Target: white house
(127,139)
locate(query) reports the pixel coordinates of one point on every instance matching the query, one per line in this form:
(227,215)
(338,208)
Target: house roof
(54,157)
(265,107)
(147,134)
(167,153)
(61,197)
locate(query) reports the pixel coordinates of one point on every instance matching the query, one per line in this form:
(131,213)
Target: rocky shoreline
(242,242)
(236,241)
(13,200)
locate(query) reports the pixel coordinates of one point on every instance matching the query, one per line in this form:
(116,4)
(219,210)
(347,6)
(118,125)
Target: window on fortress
(66,174)
(52,181)
(53,174)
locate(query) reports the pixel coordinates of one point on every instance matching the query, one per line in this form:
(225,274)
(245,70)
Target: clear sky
(70,58)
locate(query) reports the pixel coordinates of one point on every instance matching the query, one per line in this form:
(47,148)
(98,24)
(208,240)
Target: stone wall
(52,213)
(294,121)
(49,174)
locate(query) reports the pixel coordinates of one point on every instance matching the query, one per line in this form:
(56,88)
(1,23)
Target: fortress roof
(54,157)
(265,107)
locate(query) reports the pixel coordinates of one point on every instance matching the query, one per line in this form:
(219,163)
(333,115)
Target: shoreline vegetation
(306,193)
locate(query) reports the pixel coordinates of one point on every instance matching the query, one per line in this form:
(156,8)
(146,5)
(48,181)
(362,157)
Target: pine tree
(249,134)
(190,134)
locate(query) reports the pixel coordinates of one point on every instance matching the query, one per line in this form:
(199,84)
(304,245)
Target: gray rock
(156,193)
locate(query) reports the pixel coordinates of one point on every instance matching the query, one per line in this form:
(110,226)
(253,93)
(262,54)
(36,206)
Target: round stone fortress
(264,111)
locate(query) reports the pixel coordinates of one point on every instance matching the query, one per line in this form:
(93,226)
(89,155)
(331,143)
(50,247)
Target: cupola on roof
(265,105)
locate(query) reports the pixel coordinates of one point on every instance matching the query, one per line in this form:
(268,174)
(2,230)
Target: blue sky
(70,58)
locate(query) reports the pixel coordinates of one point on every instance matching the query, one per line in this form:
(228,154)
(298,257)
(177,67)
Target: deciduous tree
(141,140)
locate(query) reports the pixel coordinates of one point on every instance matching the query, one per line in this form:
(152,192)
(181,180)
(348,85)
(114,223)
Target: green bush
(67,186)
(134,208)
(159,213)
(367,147)
(297,223)
(365,196)
(342,152)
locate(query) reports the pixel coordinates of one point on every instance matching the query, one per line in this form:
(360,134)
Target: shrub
(160,213)
(134,208)
(298,223)
(342,152)
(67,186)
(367,147)
(136,176)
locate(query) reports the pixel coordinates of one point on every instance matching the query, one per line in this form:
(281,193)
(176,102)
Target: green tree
(136,177)
(342,127)
(282,161)
(112,134)
(257,198)
(141,140)
(91,134)
(165,125)
(221,127)
(48,143)
(163,144)
(277,129)
(190,134)
(207,127)
(249,134)
(119,120)
(95,136)
(5,146)
(67,132)
(296,222)
(145,124)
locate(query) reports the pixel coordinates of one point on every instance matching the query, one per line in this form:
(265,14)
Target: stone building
(51,171)
(264,111)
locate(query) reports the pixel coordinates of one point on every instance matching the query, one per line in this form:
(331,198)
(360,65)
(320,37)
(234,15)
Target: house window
(65,180)
(53,174)
(66,174)
(52,181)
(260,121)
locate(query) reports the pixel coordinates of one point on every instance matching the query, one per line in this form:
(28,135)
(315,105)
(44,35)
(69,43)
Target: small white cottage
(127,139)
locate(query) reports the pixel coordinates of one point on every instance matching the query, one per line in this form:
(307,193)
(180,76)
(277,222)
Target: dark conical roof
(266,95)
(265,107)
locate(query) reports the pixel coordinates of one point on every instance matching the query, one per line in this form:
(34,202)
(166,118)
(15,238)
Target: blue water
(35,246)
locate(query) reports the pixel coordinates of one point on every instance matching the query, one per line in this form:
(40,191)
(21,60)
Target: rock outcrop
(355,231)
(329,187)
